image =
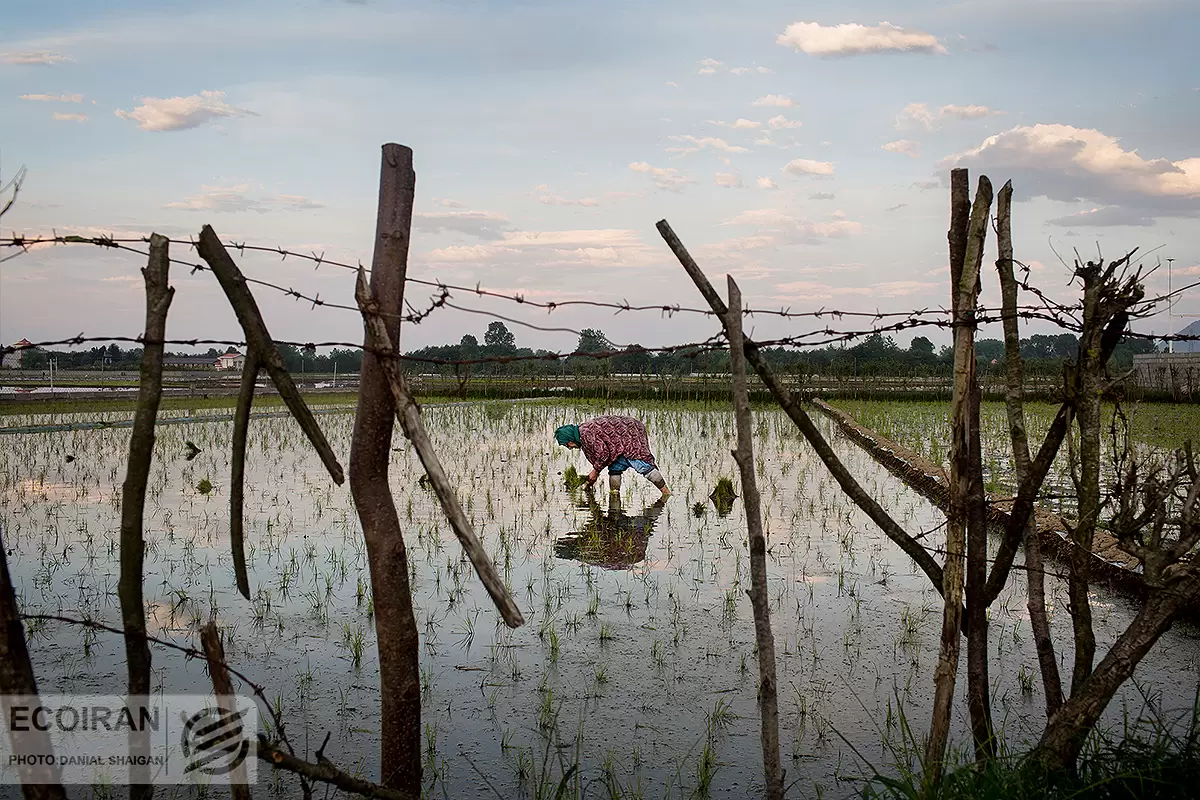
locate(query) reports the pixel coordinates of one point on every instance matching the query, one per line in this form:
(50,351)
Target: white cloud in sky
(780,122)
(61,117)
(711,66)
(850,39)
(904,146)
(766,183)
(1070,164)
(699,143)
(786,228)
(664,177)
(181,113)
(480,224)
(808,166)
(1103,217)
(776,100)
(240,199)
(53,98)
(728,180)
(42,57)
(922,116)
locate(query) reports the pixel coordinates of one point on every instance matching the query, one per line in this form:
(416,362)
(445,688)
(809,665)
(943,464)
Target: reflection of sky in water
(666,587)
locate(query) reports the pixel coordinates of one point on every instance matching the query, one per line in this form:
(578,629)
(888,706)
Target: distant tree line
(875,355)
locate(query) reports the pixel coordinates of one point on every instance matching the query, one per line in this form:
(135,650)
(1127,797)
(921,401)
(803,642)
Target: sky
(803,148)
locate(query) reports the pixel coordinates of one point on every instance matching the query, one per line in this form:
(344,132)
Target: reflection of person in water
(610,539)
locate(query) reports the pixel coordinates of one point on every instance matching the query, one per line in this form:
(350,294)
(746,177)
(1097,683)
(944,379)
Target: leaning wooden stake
(808,428)
(768,707)
(259,341)
(214,653)
(237,471)
(133,501)
(1014,402)
(409,414)
(39,781)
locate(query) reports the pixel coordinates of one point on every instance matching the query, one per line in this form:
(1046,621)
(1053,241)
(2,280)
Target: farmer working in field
(617,443)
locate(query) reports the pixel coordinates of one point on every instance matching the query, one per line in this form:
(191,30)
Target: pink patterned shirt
(605,439)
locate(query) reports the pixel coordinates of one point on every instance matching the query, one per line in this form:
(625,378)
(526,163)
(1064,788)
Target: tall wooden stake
(768,706)
(133,501)
(370,452)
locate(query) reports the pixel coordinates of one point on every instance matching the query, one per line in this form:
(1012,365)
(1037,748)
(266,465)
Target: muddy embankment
(1110,565)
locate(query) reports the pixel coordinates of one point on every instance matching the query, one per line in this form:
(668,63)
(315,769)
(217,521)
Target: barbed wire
(1048,306)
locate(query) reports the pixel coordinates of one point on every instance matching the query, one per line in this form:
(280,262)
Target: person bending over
(615,443)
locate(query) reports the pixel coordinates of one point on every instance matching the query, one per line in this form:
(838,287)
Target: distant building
(13,360)
(231,360)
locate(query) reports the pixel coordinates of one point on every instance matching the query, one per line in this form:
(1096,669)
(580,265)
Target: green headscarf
(568,433)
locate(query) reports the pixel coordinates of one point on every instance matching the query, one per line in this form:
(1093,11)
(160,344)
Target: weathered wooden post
(395,624)
(133,501)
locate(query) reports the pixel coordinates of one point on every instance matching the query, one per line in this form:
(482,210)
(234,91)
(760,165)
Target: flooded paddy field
(636,664)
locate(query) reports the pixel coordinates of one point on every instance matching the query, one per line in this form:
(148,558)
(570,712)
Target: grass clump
(572,478)
(723,496)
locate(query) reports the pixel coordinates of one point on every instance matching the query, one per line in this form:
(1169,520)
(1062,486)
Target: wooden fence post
(768,706)
(370,452)
(133,501)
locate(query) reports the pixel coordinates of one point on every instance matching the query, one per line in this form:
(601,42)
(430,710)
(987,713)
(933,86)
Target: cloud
(663,177)
(571,248)
(776,227)
(672,84)
(235,199)
(43,57)
(780,122)
(922,116)
(799,291)
(702,142)
(851,39)
(905,146)
(52,98)
(70,117)
(710,66)
(550,199)
(480,224)
(730,180)
(1103,217)
(1069,164)
(822,196)
(766,183)
(181,113)
(776,100)
(807,166)
(738,124)
(446,202)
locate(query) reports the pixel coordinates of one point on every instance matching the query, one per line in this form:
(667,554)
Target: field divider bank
(128,423)
(1112,564)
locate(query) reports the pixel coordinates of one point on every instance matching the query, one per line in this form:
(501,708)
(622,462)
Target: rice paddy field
(636,665)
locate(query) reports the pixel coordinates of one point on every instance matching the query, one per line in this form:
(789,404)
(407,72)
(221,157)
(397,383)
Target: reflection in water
(611,539)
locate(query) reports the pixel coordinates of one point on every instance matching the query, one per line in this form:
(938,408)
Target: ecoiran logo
(115,740)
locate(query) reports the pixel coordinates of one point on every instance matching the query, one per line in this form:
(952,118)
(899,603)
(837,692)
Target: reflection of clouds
(55,492)
(611,539)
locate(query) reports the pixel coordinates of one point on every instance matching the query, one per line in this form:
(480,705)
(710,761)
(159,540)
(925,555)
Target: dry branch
(259,341)
(326,772)
(768,706)
(409,414)
(237,471)
(133,501)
